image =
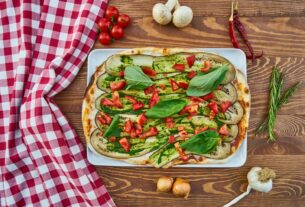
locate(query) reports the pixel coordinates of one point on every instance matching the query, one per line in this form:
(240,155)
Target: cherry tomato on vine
(112,13)
(117,32)
(123,20)
(104,25)
(104,38)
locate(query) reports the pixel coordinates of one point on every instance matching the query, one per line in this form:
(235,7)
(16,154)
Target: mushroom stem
(238,198)
(170,4)
(177,4)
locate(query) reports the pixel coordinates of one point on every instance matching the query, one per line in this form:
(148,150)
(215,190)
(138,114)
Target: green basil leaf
(136,78)
(202,143)
(166,108)
(113,129)
(202,85)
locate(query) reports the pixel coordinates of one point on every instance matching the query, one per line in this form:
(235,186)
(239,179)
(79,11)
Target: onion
(164,184)
(181,188)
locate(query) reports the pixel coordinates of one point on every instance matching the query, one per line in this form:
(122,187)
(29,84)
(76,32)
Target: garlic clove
(255,183)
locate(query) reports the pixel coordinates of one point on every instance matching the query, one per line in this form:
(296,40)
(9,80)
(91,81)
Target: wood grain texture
(277,27)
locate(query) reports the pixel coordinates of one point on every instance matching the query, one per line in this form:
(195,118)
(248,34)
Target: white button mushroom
(162,13)
(259,179)
(183,15)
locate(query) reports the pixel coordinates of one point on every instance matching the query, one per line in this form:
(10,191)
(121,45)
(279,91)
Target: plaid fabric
(42,46)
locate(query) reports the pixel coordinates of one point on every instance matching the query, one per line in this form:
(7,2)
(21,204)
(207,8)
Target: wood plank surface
(278,28)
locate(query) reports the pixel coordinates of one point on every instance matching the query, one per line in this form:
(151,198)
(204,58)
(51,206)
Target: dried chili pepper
(234,21)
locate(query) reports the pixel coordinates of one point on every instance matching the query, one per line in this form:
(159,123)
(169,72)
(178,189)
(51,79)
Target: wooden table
(278,28)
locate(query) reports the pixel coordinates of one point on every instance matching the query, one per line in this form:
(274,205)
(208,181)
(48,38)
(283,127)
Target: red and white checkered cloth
(42,46)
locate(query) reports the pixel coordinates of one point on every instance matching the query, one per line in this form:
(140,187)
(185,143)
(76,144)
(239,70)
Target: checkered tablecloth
(42,46)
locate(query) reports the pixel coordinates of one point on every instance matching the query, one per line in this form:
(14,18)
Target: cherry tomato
(117,32)
(104,38)
(123,20)
(115,86)
(104,25)
(125,144)
(112,13)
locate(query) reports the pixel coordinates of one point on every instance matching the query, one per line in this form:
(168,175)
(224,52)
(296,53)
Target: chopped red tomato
(154,99)
(190,60)
(207,66)
(171,139)
(142,119)
(150,89)
(208,96)
(191,74)
(183,85)
(196,99)
(202,129)
(224,130)
(128,126)
(107,102)
(183,156)
(112,139)
(213,106)
(212,114)
(131,99)
(191,109)
(116,99)
(106,117)
(121,74)
(179,67)
(138,105)
(115,86)
(225,105)
(148,71)
(174,85)
(138,129)
(169,122)
(133,133)
(151,132)
(180,128)
(219,87)
(125,144)
(183,134)
(163,87)
(101,120)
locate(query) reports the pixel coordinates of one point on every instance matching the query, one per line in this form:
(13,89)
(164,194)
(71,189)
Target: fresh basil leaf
(166,108)
(202,143)
(126,59)
(113,129)
(136,78)
(202,85)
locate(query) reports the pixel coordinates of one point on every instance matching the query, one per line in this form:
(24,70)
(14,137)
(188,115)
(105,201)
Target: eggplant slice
(233,115)
(227,93)
(233,133)
(221,151)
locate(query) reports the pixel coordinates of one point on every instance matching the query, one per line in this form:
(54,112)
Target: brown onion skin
(181,188)
(165,184)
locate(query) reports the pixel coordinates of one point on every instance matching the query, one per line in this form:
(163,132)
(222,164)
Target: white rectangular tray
(236,56)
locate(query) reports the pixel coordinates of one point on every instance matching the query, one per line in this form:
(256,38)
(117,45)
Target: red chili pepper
(231,29)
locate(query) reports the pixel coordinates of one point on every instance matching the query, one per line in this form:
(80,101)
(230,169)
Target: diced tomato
(219,87)
(191,74)
(137,106)
(174,85)
(115,86)
(138,129)
(150,89)
(180,128)
(213,106)
(179,67)
(212,114)
(116,99)
(128,126)
(163,87)
(131,99)
(133,133)
(183,134)
(101,120)
(196,99)
(112,139)
(183,85)
(107,102)
(207,66)
(169,122)
(121,74)
(125,144)
(183,156)
(101,134)
(106,117)
(190,60)
(191,109)
(224,130)
(151,132)
(142,119)
(171,139)
(154,99)
(208,96)
(148,71)
(198,130)
(225,105)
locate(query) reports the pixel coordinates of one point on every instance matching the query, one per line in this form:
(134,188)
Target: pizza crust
(89,111)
